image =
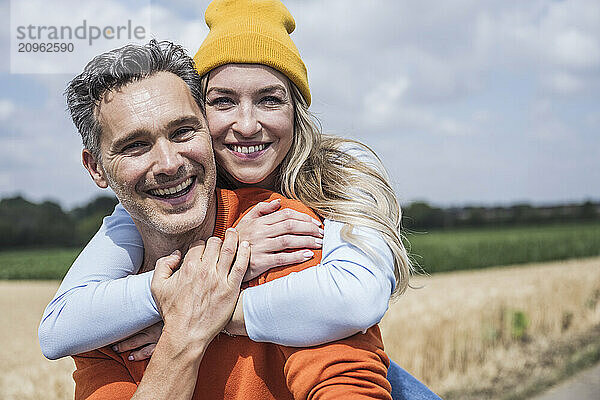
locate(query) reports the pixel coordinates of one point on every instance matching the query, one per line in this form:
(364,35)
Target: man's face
(156,153)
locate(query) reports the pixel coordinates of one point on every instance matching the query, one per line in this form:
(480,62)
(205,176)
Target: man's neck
(158,244)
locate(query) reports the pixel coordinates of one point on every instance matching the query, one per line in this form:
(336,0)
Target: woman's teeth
(248,149)
(168,191)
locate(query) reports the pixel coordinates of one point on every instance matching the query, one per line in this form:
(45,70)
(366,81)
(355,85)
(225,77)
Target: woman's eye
(271,100)
(221,102)
(183,133)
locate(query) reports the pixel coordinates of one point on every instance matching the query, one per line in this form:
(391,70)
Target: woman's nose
(246,123)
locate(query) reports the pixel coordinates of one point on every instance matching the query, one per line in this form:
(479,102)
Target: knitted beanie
(252,32)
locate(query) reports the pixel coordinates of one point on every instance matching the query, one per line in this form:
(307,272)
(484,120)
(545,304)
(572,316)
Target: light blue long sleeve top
(101,300)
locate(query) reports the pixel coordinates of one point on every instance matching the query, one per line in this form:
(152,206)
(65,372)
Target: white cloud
(546,126)
(5,179)
(398,116)
(7,108)
(382,102)
(482,116)
(553,130)
(563,83)
(592,120)
(168,25)
(576,49)
(557,41)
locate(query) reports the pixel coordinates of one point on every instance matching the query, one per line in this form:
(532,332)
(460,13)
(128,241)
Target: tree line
(422,216)
(27,224)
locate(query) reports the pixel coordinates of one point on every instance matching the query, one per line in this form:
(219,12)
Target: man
(140,114)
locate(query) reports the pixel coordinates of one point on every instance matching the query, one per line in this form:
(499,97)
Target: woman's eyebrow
(271,89)
(266,89)
(220,90)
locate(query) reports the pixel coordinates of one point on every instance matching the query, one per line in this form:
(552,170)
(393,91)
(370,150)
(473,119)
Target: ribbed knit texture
(252,32)
(221,221)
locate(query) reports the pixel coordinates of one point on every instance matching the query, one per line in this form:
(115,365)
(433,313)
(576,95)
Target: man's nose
(167,158)
(246,123)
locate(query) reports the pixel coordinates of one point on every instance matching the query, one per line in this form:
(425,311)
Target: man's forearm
(173,369)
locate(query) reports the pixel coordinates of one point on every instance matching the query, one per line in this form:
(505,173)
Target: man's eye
(131,147)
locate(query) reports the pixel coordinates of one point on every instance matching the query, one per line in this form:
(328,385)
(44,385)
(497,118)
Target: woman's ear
(94,168)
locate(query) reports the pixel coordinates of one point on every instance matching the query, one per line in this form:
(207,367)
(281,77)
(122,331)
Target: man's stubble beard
(163,222)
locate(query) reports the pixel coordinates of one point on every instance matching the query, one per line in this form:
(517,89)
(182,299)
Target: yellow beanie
(252,32)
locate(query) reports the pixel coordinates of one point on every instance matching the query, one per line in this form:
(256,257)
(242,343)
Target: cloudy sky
(466,101)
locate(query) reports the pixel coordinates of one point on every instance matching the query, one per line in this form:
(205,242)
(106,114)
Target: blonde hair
(321,172)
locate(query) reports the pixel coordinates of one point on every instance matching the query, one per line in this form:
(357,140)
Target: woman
(257,97)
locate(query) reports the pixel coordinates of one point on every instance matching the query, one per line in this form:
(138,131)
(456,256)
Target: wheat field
(470,331)
(24,372)
(461,331)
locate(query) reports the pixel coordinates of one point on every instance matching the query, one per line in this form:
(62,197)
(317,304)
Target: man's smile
(173,191)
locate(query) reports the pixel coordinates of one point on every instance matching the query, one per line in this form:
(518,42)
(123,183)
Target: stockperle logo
(63,36)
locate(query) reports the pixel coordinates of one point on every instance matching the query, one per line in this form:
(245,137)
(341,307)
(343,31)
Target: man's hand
(144,342)
(196,301)
(271,230)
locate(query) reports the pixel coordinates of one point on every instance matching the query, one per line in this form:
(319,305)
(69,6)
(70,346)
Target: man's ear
(94,168)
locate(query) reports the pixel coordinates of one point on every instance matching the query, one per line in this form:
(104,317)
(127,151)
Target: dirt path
(583,386)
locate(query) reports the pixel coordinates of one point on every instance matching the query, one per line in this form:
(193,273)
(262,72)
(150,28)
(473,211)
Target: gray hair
(115,69)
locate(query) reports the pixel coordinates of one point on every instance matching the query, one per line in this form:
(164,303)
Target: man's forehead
(150,103)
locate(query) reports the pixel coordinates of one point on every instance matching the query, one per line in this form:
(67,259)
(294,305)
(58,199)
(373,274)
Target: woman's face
(251,120)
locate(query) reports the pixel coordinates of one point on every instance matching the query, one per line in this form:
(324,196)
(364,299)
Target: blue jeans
(407,387)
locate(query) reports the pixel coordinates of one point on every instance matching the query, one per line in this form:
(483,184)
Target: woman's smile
(248,151)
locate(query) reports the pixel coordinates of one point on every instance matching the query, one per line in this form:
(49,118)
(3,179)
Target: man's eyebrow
(186,119)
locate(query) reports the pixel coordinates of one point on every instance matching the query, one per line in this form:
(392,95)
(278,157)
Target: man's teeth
(248,149)
(175,189)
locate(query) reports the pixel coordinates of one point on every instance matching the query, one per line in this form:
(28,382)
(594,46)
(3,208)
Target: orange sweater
(238,368)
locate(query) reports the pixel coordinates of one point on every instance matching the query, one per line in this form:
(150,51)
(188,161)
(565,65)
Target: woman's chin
(261,181)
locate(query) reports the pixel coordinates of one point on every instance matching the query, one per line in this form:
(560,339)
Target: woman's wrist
(237,325)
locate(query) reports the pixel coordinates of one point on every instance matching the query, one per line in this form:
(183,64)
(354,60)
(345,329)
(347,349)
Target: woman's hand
(142,343)
(271,230)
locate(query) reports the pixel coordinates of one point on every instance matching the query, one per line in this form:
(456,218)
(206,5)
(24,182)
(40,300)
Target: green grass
(441,251)
(36,264)
(437,251)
